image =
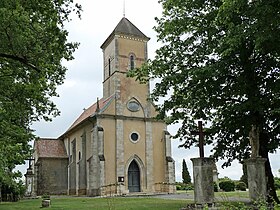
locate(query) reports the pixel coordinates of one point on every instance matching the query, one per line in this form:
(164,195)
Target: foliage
(185,173)
(277,183)
(215,187)
(184,186)
(226,185)
(240,186)
(33,45)
(13,191)
(219,62)
(244,177)
(46,197)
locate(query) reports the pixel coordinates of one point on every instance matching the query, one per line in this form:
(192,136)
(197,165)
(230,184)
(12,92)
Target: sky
(83,83)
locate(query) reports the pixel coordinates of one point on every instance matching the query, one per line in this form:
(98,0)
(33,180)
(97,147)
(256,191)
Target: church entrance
(133,177)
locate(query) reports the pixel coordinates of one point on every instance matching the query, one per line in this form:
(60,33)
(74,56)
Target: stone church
(116,146)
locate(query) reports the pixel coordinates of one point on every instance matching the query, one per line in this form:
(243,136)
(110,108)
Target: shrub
(241,186)
(12,191)
(215,187)
(227,185)
(178,187)
(189,187)
(183,186)
(277,183)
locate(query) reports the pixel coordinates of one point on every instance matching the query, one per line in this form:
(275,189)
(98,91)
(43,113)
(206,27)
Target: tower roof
(125,27)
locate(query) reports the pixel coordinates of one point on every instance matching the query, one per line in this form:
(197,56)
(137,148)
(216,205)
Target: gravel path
(189,196)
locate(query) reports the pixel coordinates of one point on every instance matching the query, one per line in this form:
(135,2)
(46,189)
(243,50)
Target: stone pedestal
(46,203)
(203,180)
(256,178)
(29,183)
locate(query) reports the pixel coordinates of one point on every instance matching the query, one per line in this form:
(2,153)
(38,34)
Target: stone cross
(201,134)
(30,159)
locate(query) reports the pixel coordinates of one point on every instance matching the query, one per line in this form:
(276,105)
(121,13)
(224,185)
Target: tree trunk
(270,178)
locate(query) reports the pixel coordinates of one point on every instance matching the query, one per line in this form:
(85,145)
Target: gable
(50,148)
(98,107)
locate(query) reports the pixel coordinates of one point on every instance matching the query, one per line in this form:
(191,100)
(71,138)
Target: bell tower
(124,49)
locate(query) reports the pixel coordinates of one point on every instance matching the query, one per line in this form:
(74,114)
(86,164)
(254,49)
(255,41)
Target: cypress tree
(185,173)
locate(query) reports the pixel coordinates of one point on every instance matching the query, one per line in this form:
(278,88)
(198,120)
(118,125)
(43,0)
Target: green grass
(237,194)
(98,204)
(115,203)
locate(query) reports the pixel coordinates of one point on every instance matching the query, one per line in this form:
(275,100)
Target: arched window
(132,65)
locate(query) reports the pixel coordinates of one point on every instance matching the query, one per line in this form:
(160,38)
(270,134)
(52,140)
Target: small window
(80,156)
(133,106)
(134,137)
(132,62)
(109,66)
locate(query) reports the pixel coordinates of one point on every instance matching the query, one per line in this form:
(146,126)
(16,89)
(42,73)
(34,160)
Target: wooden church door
(133,177)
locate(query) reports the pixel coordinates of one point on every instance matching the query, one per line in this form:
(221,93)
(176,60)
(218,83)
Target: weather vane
(124,8)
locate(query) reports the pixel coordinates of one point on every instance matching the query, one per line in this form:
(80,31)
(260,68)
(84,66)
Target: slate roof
(125,27)
(50,148)
(101,105)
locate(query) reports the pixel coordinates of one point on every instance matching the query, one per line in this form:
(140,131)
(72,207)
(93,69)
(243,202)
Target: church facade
(116,146)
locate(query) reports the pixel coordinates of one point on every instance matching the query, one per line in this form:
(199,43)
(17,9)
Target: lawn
(116,203)
(98,204)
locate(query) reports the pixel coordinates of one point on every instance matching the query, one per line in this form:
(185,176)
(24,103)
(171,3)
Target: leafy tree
(33,44)
(220,62)
(277,183)
(185,173)
(227,185)
(240,186)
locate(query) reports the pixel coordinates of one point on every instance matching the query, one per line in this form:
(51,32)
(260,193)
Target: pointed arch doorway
(133,177)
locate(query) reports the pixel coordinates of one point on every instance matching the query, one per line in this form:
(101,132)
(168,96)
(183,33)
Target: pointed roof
(125,27)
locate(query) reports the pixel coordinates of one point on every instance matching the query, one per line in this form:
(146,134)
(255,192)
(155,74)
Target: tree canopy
(219,62)
(33,45)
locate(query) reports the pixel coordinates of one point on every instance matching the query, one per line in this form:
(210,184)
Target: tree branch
(20,59)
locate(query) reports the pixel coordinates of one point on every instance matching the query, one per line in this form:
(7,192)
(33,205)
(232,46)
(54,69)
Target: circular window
(133,106)
(134,136)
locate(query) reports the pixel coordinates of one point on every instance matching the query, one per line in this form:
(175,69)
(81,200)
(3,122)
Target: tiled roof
(52,148)
(92,110)
(127,28)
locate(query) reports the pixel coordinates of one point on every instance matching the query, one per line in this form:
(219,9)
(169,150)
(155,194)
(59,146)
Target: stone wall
(112,189)
(82,168)
(164,187)
(52,176)
(72,169)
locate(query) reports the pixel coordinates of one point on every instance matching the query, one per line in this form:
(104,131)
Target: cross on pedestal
(30,159)
(201,134)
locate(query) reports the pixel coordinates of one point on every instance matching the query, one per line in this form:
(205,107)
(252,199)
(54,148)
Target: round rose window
(133,106)
(134,136)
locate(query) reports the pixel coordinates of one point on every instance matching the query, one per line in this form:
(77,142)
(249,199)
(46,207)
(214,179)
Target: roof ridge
(90,111)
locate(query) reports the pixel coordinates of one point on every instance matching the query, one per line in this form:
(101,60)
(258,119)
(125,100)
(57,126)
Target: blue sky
(84,77)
